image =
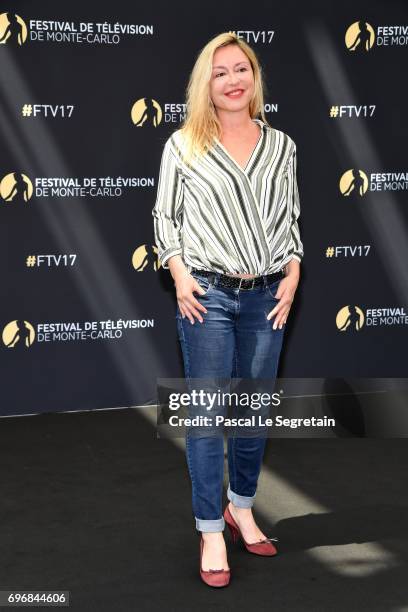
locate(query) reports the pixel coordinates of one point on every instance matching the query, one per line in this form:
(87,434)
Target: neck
(234,123)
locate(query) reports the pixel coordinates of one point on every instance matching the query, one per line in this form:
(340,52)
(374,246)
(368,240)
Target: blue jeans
(235,340)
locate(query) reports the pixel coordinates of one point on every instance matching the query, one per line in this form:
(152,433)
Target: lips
(234,93)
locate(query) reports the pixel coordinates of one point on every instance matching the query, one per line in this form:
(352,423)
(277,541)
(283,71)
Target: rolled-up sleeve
(168,209)
(295,243)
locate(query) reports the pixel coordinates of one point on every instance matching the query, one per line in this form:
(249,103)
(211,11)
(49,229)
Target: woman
(225,223)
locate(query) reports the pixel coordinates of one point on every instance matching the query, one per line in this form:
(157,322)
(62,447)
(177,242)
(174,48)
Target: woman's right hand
(189,305)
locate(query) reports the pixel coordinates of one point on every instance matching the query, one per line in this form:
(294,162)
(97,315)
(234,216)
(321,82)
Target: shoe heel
(234,532)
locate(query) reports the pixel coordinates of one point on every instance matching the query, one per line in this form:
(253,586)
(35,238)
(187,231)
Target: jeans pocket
(204,283)
(272,289)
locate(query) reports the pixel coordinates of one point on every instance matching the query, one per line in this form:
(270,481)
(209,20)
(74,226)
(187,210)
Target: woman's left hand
(285,294)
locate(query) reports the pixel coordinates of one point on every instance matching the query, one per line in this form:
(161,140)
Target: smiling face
(232,79)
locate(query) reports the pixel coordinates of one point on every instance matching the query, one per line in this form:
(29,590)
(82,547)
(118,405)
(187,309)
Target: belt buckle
(245,279)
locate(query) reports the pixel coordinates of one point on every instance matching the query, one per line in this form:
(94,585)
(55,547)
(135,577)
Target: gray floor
(95,504)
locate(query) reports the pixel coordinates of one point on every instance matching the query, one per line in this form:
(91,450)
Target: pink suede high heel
(213,577)
(264,547)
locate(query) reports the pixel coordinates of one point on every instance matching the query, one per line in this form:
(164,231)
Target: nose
(233,80)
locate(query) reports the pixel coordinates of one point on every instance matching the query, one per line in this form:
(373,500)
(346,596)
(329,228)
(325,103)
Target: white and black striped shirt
(223,218)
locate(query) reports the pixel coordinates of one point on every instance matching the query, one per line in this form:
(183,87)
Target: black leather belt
(235,282)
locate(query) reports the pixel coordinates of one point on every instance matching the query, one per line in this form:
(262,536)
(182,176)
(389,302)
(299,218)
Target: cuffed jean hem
(240,501)
(210,526)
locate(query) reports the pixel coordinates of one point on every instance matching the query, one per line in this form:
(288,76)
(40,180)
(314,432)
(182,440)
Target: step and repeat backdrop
(90,92)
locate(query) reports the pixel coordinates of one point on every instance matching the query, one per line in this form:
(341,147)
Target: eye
(221,73)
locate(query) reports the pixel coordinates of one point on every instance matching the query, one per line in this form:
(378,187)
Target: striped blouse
(223,218)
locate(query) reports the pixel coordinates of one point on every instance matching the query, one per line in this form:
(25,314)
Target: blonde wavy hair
(201,124)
